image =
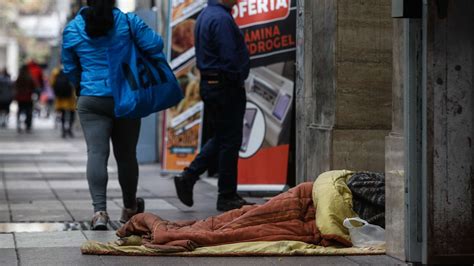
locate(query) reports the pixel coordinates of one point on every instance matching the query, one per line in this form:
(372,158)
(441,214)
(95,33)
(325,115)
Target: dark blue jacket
(85,59)
(220,45)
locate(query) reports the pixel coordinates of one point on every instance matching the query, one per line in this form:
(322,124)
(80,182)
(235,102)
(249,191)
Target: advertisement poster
(269,29)
(183,123)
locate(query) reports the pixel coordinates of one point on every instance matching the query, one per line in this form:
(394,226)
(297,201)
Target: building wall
(449,132)
(343,85)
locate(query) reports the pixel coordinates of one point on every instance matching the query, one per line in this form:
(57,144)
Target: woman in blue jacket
(84,56)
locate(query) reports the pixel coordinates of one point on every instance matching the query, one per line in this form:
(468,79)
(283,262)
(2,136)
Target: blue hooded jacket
(85,59)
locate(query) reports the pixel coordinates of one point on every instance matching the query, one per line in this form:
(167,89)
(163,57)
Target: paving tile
(52,164)
(4,216)
(152,204)
(58,175)
(20,175)
(125,261)
(20,195)
(21,170)
(38,205)
(79,184)
(27,184)
(6,241)
(375,260)
(19,165)
(101,236)
(58,169)
(41,215)
(8,257)
(73,205)
(311,260)
(160,187)
(73,194)
(56,256)
(229,261)
(115,193)
(145,193)
(50,239)
(84,194)
(86,215)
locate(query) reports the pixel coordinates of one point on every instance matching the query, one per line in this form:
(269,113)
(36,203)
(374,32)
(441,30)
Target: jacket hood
(75,31)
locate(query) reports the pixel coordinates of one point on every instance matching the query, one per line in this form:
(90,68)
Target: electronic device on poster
(273,93)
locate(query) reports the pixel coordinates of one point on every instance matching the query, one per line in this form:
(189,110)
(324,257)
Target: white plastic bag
(367,235)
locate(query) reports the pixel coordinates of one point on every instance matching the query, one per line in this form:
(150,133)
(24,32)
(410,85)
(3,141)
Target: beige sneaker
(100,221)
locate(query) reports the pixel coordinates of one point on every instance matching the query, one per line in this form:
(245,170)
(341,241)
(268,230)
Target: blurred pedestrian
(47,99)
(24,90)
(36,73)
(65,101)
(86,40)
(6,97)
(223,60)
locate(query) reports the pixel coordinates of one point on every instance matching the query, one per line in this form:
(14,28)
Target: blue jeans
(226,105)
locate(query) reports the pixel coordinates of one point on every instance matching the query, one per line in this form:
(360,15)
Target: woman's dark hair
(99,17)
(24,81)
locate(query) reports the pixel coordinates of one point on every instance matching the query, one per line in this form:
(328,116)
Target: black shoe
(184,184)
(129,213)
(229,203)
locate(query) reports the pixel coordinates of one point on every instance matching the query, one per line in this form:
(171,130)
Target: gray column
(448,132)
(395,154)
(343,95)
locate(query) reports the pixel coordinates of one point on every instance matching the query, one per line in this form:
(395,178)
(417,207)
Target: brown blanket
(288,216)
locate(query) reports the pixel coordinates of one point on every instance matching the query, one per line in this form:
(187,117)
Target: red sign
(253,12)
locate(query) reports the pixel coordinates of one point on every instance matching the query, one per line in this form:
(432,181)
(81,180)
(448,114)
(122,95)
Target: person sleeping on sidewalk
(311,212)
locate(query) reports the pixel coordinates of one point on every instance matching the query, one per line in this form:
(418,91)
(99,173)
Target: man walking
(223,60)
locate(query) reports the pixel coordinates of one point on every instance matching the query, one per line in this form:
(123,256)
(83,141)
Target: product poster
(269,29)
(183,123)
(182,9)
(184,15)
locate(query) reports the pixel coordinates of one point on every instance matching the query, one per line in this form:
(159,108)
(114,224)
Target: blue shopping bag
(140,85)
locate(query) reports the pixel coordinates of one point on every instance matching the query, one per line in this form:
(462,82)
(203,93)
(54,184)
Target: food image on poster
(188,78)
(183,138)
(183,36)
(182,41)
(185,8)
(184,122)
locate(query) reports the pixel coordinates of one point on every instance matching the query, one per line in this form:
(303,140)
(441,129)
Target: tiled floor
(42,181)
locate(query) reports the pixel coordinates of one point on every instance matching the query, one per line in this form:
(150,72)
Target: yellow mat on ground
(132,247)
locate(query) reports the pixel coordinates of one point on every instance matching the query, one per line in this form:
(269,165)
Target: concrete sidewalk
(45,207)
